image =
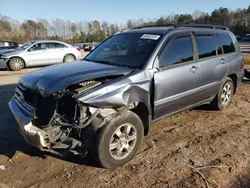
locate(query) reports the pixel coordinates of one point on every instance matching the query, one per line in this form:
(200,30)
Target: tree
(113,29)
(220,16)
(105,29)
(82,37)
(129,24)
(185,19)
(5,28)
(197,14)
(160,21)
(60,27)
(46,25)
(84,31)
(41,30)
(74,29)
(203,19)
(96,26)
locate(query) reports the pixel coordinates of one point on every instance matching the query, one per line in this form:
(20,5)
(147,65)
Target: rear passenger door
(56,52)
(175,80)
(213,64)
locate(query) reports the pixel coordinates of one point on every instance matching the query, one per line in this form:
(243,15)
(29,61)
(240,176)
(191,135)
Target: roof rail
(185,25)
(205,26)
(155,25)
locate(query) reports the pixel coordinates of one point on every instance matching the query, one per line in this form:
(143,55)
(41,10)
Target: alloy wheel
(123,141)
(226,94)
(16,64)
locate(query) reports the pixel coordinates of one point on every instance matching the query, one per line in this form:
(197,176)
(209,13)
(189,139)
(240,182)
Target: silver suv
(107,102)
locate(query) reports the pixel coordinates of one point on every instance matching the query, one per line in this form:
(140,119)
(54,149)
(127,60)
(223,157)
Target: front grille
(31,97)
(26,98)
(41,107)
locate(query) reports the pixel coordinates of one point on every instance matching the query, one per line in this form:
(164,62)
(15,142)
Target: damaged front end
(59,122)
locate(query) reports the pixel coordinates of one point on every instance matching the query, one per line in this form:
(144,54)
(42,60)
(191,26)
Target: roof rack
(185,25)
(155,25)
(205,26)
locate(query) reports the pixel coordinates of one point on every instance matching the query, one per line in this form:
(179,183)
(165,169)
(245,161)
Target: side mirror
(29,50)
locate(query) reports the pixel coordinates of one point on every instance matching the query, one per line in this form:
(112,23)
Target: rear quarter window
(227,43)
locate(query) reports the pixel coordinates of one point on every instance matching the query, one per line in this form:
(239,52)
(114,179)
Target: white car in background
(38,53)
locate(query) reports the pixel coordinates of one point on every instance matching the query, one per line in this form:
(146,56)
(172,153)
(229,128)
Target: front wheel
(16,64)
(224,96)
(118,142)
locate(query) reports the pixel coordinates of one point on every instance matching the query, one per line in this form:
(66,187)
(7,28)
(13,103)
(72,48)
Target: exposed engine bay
(61,122)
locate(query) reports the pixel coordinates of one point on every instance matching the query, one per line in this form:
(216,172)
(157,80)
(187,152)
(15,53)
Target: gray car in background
(107,102)
(38,53)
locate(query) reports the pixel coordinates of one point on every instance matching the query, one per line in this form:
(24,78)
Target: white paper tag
(150,36)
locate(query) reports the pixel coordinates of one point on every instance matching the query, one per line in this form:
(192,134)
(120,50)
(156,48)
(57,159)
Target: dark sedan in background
(4,45)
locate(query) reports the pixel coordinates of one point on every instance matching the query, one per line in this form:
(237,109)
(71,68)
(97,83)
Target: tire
(112,151)
(69,58)
(224,96)
(16,64)
(247,73)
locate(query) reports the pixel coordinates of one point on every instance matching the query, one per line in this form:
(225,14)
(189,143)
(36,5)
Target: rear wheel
(16,64)
(69,58)
(118,142)
(224,96)
(247,73)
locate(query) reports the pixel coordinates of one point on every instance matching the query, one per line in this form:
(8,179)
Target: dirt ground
(217,140)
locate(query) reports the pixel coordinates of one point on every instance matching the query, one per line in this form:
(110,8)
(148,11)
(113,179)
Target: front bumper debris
(32,134)
(38,137)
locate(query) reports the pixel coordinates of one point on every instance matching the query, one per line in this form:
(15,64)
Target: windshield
(127,50)
(25,46)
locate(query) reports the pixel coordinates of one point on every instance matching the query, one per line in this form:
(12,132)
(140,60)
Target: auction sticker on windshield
(150,36)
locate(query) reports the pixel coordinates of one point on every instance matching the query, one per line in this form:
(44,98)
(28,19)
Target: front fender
(135,88)
(119,97)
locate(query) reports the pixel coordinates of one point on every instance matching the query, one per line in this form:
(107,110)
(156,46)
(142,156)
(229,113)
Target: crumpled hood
(58,77)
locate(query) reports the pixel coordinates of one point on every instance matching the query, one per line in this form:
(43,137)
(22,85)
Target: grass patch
(247,59)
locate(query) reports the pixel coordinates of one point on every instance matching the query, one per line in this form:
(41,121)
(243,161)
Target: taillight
(79,49)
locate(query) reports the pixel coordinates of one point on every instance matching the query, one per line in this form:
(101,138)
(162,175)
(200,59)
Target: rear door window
(177,50)
(205,45)
(227,43)
(55,45)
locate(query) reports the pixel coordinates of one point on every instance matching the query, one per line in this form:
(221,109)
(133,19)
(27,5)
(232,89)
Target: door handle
(194,69)
(222,61)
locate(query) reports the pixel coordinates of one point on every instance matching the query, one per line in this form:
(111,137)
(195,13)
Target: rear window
(206,46)
(227,43)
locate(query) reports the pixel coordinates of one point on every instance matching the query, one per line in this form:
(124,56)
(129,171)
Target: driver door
(37,55)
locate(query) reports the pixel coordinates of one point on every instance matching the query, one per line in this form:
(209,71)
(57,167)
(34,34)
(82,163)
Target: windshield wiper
(105,62)
(101,61)
(111,63)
